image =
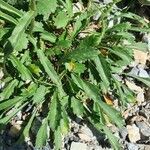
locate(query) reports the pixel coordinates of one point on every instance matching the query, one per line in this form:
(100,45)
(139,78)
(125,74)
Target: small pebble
(86,130)
(144,128)
(132,146)
(78,146)
(133,133)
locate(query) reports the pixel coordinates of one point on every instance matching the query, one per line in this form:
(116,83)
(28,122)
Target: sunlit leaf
(9,103)
(8,18)
(39,94)
(22,25)
(42,135)
(58,138)
(45,7)
(77,106)
(83,54)
(64,123)
(25,73)
(61,20)
(8,91)
(54,115)
(104,70)
(10,9)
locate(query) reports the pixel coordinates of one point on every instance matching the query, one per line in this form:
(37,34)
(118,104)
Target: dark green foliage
(54,60)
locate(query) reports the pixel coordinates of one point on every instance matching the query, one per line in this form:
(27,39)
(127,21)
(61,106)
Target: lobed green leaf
(20,28)
(25,73)
(42,135)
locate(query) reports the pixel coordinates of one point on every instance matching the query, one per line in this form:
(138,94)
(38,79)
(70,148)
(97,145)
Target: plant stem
(32,7)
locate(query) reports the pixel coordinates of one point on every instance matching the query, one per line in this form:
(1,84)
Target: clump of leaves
(63,63)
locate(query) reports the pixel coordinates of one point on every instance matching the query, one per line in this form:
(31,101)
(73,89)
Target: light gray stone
(139,71)
(132,146)
(143,73)
(86,130)
(134,71)
(78,146)
(144,128)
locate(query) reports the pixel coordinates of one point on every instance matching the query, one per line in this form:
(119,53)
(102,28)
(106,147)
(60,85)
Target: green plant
(60,73)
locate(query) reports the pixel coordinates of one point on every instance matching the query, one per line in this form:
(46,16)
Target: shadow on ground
(8,140)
